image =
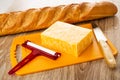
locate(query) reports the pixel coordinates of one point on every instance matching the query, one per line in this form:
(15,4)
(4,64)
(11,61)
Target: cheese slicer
(36,51)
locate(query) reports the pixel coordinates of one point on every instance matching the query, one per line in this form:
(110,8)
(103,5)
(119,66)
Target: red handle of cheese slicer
(27,59)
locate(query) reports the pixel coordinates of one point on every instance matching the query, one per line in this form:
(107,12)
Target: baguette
(35,19)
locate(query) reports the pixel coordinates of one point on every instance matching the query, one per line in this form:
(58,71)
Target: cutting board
(41,63)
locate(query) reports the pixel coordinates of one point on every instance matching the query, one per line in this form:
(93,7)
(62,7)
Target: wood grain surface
(94,70)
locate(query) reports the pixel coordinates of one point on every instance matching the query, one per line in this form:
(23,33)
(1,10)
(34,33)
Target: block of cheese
(66,38)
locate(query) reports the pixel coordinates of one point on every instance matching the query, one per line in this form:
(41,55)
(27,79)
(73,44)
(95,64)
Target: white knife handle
(107,53)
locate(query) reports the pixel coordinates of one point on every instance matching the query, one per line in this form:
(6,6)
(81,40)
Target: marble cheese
(66,38)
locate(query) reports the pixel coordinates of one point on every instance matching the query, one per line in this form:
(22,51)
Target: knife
(106,50)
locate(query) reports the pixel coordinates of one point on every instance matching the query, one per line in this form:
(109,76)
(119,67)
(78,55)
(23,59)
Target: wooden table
(94,70)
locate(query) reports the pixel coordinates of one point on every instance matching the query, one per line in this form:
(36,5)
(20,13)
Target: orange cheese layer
(66,38)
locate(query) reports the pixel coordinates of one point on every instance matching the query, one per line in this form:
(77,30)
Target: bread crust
(35,19)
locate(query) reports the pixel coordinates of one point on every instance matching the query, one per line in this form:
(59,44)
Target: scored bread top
(35,19)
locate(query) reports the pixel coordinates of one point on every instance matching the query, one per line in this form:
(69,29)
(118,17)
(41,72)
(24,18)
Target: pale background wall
(16,5)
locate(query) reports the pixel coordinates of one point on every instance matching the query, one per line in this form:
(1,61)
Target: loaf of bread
(35,19)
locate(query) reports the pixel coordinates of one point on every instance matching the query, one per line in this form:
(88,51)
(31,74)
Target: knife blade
(106,50)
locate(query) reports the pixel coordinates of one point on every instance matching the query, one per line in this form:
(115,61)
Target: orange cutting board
(41,63)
